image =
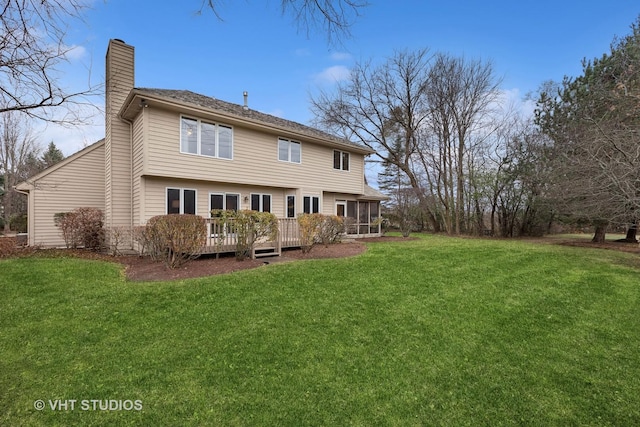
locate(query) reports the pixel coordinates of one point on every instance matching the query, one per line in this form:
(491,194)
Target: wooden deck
(222,238)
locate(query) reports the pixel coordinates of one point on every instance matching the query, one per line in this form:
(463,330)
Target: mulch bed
(143,269)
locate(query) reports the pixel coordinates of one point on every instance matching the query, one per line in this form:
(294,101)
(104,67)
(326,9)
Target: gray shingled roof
(188,97)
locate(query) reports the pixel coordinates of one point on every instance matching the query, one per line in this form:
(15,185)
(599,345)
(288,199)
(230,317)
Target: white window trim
(261,200)
(182,190)
(199,141)
(289,143)
(224,199)
(312,196)
(341,161)
(286,206)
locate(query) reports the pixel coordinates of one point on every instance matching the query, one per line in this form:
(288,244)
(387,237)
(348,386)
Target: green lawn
(435,331)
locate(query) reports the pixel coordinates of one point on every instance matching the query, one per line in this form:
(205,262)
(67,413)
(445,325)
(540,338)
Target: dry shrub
(249,227)
(139,235)
(175,238)
(330,229)
(319,228)
(81,227)
(309,224)
(119,236)
(8,247)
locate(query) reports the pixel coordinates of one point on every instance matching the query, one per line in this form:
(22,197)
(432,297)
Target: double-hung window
(289,151)
(206,138)
(311,204)
(340,160)
(222,201)
(261,202)
(181,201)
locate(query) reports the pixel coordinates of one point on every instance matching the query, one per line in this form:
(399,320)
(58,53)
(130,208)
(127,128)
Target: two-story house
(175,151)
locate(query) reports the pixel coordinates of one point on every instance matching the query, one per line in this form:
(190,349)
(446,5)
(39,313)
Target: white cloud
(302,52)
(75,52)
(341,56)
(514,99)
(69,139)
(332,75)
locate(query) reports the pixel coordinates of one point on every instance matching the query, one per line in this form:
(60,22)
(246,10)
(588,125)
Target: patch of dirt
(614,246)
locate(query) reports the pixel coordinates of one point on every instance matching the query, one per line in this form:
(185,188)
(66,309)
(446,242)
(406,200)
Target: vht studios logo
(88,405)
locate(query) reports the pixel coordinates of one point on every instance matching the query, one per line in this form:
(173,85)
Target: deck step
(264,252)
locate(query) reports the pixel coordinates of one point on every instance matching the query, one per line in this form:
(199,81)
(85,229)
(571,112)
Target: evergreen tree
(51,156)
(593,122)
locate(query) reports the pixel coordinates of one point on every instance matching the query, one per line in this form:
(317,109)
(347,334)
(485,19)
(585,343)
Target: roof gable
(28,184)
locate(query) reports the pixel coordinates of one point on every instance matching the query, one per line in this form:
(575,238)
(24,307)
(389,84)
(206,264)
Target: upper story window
(205,138)
(289,151)
(341,160)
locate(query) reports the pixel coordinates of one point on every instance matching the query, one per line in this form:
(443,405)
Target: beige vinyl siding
(118,185)
(79,183)
(329,203)
(139,130)
(155,195)
(255,160)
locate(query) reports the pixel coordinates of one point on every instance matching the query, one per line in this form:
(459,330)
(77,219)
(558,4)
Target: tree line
(456,158)
(20,158)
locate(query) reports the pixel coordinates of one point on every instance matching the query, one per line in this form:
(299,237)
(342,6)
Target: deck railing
(222,235)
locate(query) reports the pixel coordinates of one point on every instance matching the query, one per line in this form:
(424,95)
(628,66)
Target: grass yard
(434,331)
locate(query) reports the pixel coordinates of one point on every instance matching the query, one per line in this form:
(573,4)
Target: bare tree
(17,146)
(381,107)
(421,113)
(460,94)
(334,18)
(32,48)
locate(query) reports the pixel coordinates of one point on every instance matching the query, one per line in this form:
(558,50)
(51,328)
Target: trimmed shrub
(249,227)
(319,228)
(81,227)
(330,229)
(175,238)
(309,224)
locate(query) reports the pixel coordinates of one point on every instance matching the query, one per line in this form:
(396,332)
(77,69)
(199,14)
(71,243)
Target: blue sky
(257,49)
